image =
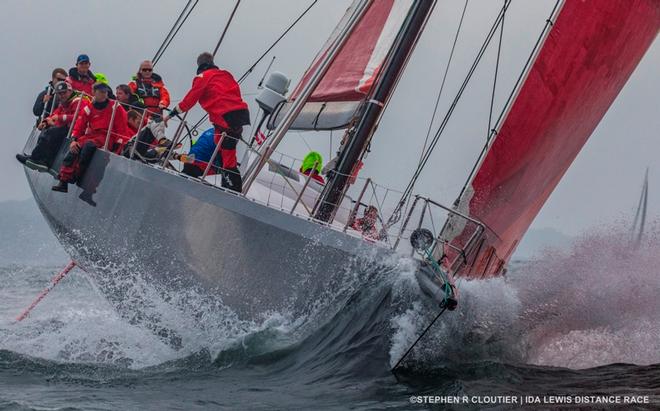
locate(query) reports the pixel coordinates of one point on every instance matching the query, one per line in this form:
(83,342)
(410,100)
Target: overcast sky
(602,185)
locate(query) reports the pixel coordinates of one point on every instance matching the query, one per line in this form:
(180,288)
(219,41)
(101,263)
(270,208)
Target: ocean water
(576,324)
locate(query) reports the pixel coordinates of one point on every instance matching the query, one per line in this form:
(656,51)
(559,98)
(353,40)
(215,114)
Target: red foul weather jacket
(94,120)
(80,82)
(219,95)
(64,113)
(123,140)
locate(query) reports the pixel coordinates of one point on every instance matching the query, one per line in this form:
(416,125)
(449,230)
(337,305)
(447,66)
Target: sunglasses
(61,93)
(58,79)
(146,69)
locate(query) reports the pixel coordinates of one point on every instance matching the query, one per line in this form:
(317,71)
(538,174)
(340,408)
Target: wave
(594,304)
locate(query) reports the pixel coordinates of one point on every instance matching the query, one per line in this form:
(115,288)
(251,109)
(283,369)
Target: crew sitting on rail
(56,126)
(150,136)
(132,127)
(220,96)
(81,77)
(367,224)
(90,132)
(312,165)
(195,162)
(128,100)
(150,89)
(45,102)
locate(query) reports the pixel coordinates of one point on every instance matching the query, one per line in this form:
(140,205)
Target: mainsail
(353,72)
(587,57)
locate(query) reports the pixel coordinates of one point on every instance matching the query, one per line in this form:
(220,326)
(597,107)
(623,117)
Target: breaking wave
(593,303)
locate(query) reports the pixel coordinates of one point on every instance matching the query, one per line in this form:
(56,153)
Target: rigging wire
(167,44)
(425,157)
(224,32)
(444,79)
(497,67)
(264,54)
(176,23)
(493,133)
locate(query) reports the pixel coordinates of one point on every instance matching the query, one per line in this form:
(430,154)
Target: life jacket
(151,92)
(147,90)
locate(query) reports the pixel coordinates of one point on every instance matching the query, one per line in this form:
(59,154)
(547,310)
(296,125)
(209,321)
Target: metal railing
(288,185)
(426,218)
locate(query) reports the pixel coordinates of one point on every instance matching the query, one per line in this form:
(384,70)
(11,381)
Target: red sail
(586,59)
(351,75)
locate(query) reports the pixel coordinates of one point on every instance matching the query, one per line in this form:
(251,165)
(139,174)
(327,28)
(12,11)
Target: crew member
(150,89)
(81,77)
(220,96)
(127,99)
(132,127)
(102,78)
(312,165)
(44,104)
(89,133)
(56,127)
(367,224)
(200,154)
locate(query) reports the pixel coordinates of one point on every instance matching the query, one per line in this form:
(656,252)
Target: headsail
(351,76)
(587,57)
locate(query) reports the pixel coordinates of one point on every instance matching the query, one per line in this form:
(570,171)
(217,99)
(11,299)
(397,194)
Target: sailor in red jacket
(55,128)
(149,87)
(89,133)
(220,96)
(81,77)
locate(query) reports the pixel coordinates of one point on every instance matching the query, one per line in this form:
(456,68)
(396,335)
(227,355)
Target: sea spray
(595,302)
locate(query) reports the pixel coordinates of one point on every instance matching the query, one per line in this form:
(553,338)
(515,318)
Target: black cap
(101,86)
(62,86)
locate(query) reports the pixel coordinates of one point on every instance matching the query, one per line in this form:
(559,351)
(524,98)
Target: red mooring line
(45,292)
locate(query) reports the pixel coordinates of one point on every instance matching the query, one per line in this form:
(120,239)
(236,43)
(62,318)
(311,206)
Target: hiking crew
(220,96)
(45,100)
(150,89)
(56,126)
(367,224)
(89,133)
(81,77)
(102,78)
(127,99)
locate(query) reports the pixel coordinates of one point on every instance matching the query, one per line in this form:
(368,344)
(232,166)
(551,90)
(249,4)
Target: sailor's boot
(22,158)
(86,196)
(36,165)
(62,187)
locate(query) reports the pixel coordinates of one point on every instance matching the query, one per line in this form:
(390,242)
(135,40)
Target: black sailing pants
(48,145)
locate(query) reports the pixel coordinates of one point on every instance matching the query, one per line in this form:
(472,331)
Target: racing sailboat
(273,246)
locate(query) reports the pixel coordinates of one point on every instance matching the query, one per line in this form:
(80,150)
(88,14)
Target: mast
(354,149)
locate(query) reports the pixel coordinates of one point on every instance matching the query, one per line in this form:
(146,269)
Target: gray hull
(182,233)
